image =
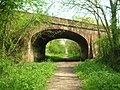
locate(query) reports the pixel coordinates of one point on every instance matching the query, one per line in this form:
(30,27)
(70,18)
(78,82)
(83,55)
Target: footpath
(64,77)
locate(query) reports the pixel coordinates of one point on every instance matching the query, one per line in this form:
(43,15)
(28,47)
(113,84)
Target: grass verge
(62,57)
(54,58)
(97,76)
(25,76)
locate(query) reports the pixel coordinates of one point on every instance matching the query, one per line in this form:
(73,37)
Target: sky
(56,8)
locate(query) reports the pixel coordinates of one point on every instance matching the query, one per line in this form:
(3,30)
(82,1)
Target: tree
(72,48)
(55,47)
(15,19)
(101,11)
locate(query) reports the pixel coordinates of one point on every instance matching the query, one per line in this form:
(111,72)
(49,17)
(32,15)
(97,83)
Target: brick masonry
(88,31)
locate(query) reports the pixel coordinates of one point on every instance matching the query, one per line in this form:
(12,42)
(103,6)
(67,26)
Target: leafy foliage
(97,76)
(55,47)
(73,48)
(85,19)
(15,20)
(101,11)
(57,50)
(106,53)
(24,76)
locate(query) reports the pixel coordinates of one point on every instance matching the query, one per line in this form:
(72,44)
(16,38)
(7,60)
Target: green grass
(60,57)
(56,55)
(25,76)
(77,56)
(53,57)
(97,76)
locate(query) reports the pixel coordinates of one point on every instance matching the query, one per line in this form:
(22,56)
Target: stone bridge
(82,33)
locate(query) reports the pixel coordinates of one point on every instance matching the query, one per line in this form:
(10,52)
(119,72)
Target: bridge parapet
(75,24)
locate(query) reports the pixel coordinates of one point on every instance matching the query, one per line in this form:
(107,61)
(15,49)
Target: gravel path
(64,77)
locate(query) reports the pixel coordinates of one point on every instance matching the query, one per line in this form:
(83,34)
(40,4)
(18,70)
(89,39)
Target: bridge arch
(40,40)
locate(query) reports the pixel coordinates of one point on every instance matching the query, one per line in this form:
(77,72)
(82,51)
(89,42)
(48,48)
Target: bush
(24,76)
(97,76)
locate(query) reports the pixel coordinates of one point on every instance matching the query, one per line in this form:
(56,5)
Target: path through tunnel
(40,40)
(60,50)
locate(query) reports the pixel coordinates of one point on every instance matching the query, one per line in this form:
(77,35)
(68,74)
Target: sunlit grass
(25,76)
(61,57)
(97,76)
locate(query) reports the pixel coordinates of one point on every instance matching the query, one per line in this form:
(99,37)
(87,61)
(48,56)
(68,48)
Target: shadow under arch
(39,41)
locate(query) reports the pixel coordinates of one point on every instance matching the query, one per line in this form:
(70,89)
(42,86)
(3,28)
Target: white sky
(58,10)
(62,41)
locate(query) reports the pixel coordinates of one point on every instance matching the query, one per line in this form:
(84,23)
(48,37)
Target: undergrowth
(24,76)
(97,76)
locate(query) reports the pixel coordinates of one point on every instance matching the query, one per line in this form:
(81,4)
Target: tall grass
(24,76)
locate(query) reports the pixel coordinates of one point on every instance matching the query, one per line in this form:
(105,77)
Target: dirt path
(64,77)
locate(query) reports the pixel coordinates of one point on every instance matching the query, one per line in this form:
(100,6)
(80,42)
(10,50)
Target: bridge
(38,37)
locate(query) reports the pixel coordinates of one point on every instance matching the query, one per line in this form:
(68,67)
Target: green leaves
(15,20)
(73,48)
(24,76)
(97,76)
(55,47)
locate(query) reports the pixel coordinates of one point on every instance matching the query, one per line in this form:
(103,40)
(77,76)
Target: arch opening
(40,40)
(62,50)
